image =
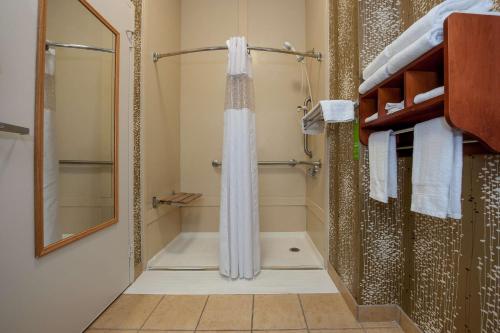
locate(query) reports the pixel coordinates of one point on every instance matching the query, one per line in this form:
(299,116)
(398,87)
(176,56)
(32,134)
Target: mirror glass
(76,117)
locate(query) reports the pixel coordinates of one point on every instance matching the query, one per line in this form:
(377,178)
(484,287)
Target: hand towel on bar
(380,75)
(337,111)
(383,166)
(315,128)
(371,118)
(434,18)
(437,169)
(420,98)
(394,107)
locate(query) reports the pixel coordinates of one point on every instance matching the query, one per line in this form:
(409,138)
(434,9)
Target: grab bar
(4,127)
(315,165)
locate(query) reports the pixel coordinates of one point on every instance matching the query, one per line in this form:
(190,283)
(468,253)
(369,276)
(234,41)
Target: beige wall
(317,31)
(161,99)
(277,90)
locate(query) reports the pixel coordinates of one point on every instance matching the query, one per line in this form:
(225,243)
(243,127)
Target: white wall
(65,290)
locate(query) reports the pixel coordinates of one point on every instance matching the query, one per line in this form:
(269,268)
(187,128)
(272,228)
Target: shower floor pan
(200,251)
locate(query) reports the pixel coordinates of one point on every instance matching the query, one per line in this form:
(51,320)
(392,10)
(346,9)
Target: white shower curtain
(51,233)
(239,251)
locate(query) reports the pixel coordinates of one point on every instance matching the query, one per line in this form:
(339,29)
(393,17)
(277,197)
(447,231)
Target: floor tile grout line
(149,316)
(253,309)
(303,312)
(202,311)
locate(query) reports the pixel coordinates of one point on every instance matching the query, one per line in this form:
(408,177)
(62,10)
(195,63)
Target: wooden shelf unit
(467,64)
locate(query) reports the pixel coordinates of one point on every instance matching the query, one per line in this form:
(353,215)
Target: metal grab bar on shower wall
(315,165)
(311,54)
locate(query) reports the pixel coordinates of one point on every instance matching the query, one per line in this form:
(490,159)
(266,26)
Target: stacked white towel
(420,98)
(394,107)
(383,166)
(437,169)
(380,75)
(425,43)
(434,18)
(337,111)
(316,128)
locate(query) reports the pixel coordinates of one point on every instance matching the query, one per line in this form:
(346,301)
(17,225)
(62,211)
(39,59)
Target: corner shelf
(467,64)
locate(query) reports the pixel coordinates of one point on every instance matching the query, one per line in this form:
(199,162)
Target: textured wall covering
(136,128)
(443,273)
(343,188)
(489,243)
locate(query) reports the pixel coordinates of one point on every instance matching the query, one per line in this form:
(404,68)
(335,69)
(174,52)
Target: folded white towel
(239,60)
(429,40)
(380,60)
(371,118)
(380,75)
(337,111)
(434,18)
(437,169)
(315,128)
(383,166)
(394,107)
(420,98)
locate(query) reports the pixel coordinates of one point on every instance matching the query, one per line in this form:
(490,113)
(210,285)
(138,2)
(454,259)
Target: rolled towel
(371,118)
(420,98)
(380,75)
(337,111)
(434,18)
(437,169)
(383,166)
(394,107)
(415,50)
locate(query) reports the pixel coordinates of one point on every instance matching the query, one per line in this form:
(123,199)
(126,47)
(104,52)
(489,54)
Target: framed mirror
(76,117)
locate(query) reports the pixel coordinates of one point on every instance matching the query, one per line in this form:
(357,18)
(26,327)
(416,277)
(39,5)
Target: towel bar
(4,127)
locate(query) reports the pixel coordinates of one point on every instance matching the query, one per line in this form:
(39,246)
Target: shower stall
(183,91)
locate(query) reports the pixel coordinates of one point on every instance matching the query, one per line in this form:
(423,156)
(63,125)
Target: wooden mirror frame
(40,248)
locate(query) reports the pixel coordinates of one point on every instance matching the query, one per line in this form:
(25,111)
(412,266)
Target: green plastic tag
(356,140)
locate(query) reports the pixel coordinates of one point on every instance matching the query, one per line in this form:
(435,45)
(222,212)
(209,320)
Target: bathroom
(118,208)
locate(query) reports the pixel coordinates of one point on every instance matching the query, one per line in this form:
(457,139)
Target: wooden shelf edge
(427,110)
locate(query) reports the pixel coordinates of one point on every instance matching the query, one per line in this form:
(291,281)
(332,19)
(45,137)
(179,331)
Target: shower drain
(294,249)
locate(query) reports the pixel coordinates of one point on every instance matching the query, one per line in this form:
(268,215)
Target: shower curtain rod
(311,54)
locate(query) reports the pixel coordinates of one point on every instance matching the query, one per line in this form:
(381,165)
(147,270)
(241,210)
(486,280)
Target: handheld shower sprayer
(287,45)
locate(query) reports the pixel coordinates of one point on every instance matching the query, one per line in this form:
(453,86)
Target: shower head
(288,46)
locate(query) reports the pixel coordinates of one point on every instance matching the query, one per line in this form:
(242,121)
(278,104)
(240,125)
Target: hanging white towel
(383,166)
(51,232)
(337,111)
(239,248)
(437,169)
(434,18)
(420,98)
(380,75)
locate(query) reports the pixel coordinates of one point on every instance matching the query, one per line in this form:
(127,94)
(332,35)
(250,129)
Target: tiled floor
(313,313)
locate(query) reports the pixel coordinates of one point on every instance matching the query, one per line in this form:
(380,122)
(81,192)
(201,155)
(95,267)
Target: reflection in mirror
(77,153)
